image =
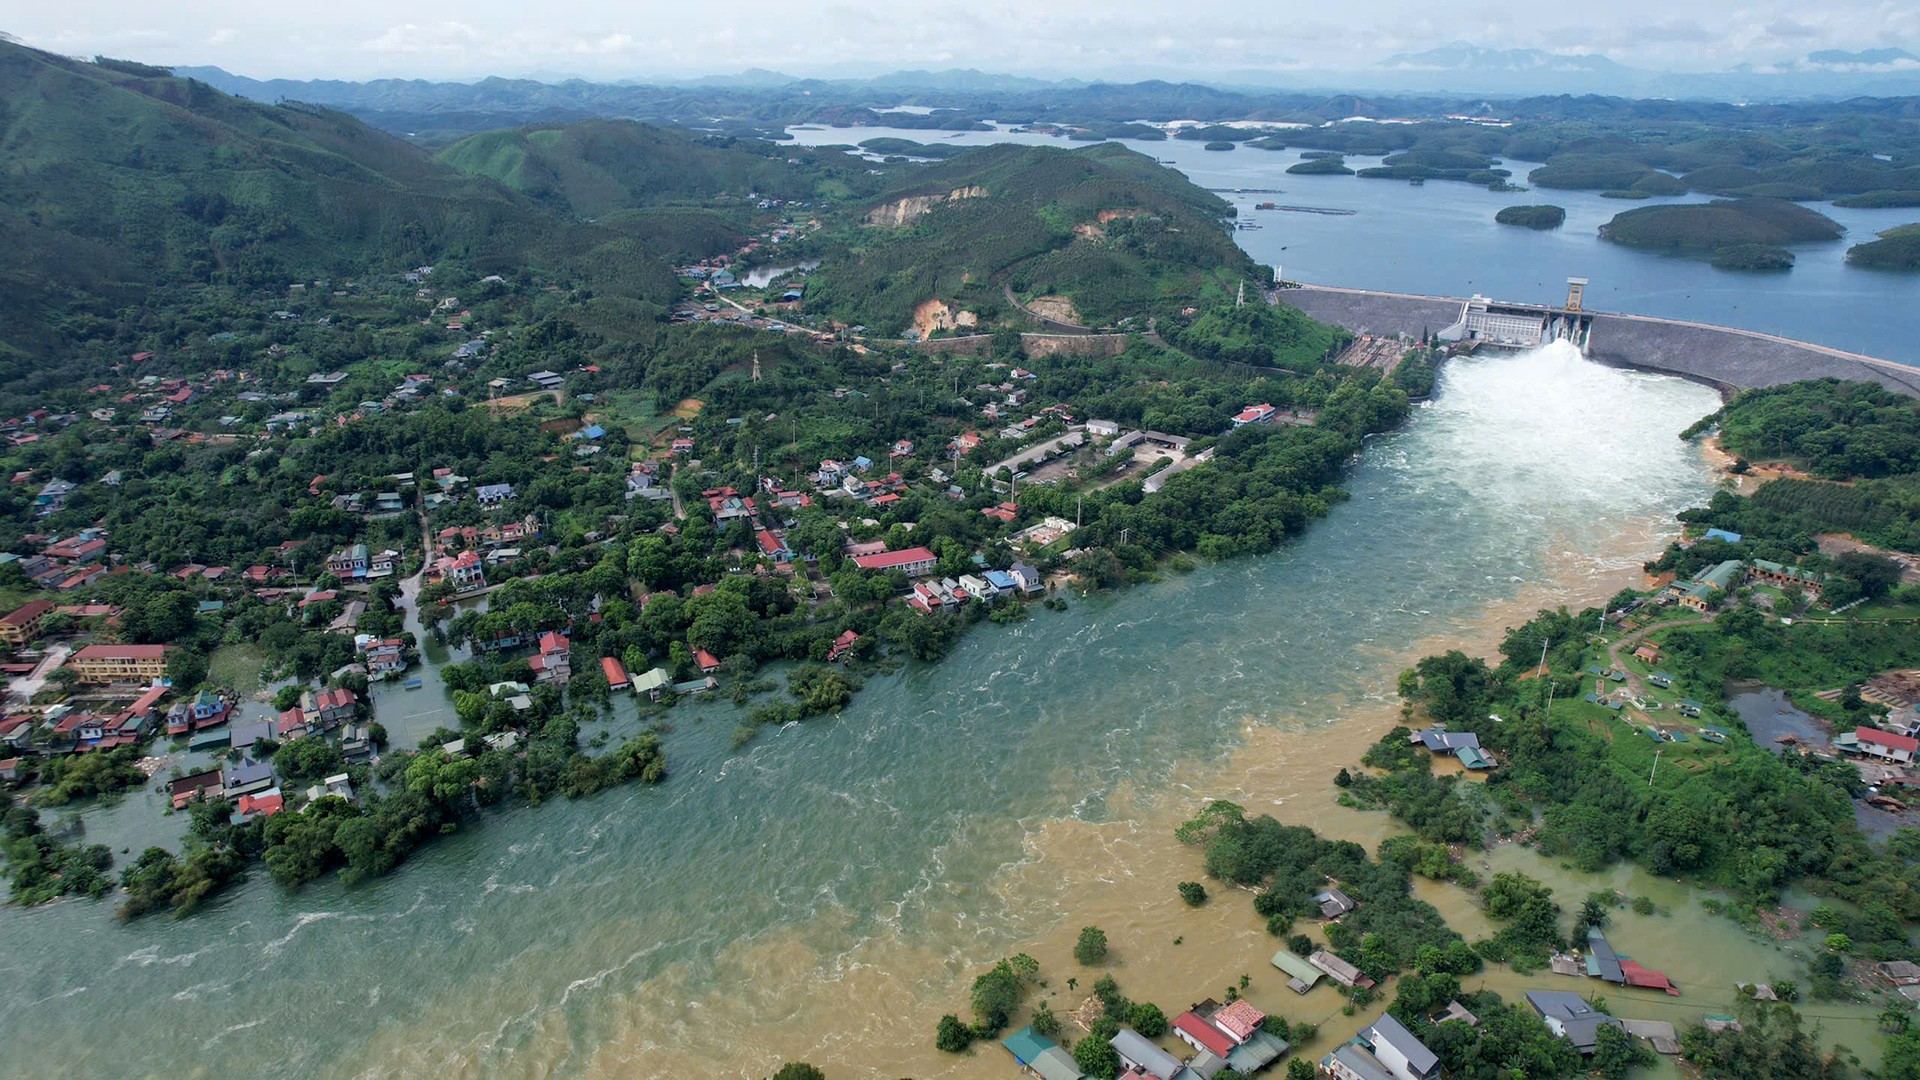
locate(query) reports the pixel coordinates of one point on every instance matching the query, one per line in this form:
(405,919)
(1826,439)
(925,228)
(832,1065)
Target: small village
(433,540)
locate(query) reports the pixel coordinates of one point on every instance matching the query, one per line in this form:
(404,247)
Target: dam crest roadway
(1720,356)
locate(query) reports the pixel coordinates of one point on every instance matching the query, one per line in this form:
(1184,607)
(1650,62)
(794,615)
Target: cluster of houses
(63,729)
(26,430)
(1708,589)
(657,683)
(65,563)
(1220,1036)
(986,586)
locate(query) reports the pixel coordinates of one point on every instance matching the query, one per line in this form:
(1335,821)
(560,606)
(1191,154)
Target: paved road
(1039,450)
(25,688)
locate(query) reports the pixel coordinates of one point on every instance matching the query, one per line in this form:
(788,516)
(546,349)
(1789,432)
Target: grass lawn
(630,410)
(238,666)
(1630,751)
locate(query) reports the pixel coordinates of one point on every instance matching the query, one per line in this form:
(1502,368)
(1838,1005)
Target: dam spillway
(1725,357)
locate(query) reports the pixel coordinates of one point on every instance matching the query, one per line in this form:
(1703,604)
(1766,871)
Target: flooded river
(832,889)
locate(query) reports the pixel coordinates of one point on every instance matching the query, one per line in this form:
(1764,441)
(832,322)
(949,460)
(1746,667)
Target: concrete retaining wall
(1375,313)
(1719,356)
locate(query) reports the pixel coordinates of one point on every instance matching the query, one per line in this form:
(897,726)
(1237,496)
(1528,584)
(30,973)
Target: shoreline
(1117,873)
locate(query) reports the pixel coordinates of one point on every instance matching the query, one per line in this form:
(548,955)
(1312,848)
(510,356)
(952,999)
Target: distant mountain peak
(1865,58)
(1460,56)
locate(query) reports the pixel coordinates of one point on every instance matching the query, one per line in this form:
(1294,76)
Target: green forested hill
(1707,227)
(1105,227)
(602,165)
(117,177)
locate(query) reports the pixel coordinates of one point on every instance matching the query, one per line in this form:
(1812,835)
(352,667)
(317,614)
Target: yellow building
(102,664)
(20,626)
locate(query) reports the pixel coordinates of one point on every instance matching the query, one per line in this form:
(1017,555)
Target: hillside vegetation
(1708,227)
(1839,430)
(120,178)
(1604,172)
(1897,249)
(603,165)
(1104,227)
(1532,217)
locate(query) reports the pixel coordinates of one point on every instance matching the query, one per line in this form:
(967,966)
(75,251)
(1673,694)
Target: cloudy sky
(357,39)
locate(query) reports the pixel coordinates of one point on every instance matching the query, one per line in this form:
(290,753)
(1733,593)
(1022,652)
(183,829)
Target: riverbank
(826,894)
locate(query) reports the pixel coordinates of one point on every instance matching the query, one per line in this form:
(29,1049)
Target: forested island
(1752,257)
(1744,225)
(1532,217)
(1896,249)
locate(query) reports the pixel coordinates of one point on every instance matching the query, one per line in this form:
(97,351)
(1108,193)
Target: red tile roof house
(914,561)
(554,663)
(1886,745)
(335,707)
(706,661)
(616,673)
(264,805)
(1197,1033)
(1239,1019)
(842,646)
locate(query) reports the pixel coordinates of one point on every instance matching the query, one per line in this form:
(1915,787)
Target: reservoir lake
(1439,239)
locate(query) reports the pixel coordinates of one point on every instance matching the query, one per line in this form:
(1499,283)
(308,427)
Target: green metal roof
(1296,965)
(1026,1045)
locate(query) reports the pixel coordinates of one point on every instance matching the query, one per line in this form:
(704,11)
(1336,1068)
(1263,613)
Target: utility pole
(1079,502)
(1655,769)
(1543,656)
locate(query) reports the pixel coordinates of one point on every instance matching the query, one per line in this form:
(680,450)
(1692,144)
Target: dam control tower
(1576,288)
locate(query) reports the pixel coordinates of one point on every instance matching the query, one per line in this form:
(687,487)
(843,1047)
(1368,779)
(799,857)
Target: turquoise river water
(829,891)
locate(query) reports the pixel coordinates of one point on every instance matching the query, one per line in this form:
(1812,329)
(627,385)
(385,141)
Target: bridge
(1720,356)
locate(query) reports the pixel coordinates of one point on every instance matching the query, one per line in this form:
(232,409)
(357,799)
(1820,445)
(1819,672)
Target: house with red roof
(264,804)
(773,547)
(616,673)
(1239,1019)
(706,661)
(1189,1028)
(333,707)
(1646,977)
(913,562)
(1875,743)
(465,571)
(554,662)
(842,646)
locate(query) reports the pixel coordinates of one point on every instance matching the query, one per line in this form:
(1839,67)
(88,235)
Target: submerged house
(1569,1016)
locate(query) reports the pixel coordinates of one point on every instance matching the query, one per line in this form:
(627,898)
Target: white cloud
(605,39)
(412,38)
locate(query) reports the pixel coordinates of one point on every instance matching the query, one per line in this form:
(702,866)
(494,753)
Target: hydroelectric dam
(1723,357)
